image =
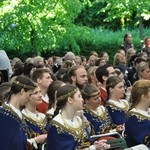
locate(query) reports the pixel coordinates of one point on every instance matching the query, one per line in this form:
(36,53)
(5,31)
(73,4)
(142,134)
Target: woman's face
(106,57)
(145,74)
(129,38)
(78,101)
(121,58)
(118,91)
(36,97)
(144,56)
(94,102)
(102,62)
(147,43)
(84,62)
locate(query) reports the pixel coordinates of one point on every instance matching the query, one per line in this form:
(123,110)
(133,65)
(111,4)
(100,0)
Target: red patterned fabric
(43,107)
(103,94)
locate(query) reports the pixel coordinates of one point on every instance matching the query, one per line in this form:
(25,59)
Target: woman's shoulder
(139,114)
(121,104)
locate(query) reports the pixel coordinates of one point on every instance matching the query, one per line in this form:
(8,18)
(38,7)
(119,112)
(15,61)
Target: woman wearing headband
(35,120)
(138,120)
(96,113)
(13,129)
(116,105)
(68,131)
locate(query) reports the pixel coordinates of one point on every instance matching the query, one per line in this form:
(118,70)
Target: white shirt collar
(17,111)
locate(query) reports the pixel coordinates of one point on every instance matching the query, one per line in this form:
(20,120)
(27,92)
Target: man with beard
(77,75)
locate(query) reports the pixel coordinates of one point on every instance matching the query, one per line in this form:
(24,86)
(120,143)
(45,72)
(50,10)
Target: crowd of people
(60,102)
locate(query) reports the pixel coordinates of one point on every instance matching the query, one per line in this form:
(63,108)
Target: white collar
(51,111)
(45,98)
(145,113)
(37,116)
(17,111)
(73,123)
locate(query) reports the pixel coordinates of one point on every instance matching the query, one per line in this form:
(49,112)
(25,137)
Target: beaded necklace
(39,121)
(69,126)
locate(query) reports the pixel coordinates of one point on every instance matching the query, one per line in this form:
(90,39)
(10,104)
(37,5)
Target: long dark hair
(62,96)
(51,92)
(21,82)
(125,36)
(111,83)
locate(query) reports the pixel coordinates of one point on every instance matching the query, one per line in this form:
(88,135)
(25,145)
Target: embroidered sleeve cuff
(33,143)
(113,130)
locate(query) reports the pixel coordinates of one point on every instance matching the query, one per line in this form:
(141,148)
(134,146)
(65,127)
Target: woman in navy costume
(68,131)
(117,107)
(96,113)
(35,120)
(13,131)
(138,123)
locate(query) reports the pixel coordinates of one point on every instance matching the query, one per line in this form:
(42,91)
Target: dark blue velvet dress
(35,127)
(101,123)
(137,129)
(12,130)
(117,113)
(62,138)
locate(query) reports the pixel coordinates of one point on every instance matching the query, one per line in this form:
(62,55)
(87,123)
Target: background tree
(35,25)
(116,14)
(55,26)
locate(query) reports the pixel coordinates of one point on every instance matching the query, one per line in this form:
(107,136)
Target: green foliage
(101,40)
(35,25)
(125,9)
(114,14)
(55,26)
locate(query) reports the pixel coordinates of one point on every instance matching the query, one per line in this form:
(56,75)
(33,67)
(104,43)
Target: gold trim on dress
(106,124)
(40,123)
(139,115)
(8,110)
(8,107)
(61,128)
(116,107)
(102,115)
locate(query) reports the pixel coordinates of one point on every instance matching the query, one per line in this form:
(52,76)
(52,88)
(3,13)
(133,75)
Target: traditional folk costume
(137,127)
(65,134)
(13,130)
(117,110)
(36,123)
(100,119)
